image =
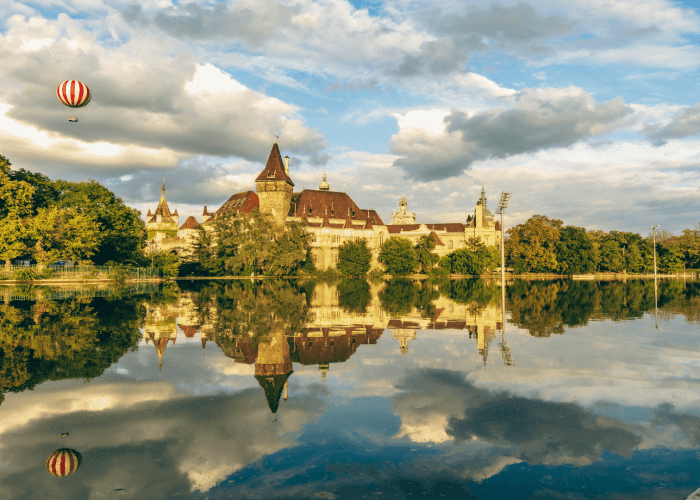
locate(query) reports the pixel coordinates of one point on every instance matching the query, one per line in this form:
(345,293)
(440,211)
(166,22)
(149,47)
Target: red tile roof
(451,227)
(332,204)
(243,203)
(274,169)
(188,330)
(190,223)
(436,240)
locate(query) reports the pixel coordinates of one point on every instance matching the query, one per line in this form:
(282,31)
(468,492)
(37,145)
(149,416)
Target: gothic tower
(274,187)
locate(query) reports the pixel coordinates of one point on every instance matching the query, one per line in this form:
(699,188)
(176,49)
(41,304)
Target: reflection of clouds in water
(153,449)
(21,409)
(542,432)
(603,361)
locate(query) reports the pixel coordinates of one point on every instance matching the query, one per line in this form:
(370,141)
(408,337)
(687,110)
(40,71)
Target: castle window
(449,244)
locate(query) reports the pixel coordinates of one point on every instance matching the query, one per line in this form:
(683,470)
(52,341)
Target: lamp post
(502,205)
(654,228)
(656,293)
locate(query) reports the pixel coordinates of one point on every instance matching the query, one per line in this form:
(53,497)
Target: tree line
(47,221)
(543,245)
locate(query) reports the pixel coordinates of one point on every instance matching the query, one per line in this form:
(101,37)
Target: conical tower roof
(274,168)
(273,385)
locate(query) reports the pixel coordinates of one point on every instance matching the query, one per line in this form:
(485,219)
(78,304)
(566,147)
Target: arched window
(449,244)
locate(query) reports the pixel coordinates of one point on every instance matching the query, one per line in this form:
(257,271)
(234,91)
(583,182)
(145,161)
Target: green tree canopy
(424,253)
(354,257)
(122,229)
(532,246)
(63,233)
(576,251)
(464,261)
(243,244)
(398,256)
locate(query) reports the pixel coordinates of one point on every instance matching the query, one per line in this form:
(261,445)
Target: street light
(654,228)
(505,352)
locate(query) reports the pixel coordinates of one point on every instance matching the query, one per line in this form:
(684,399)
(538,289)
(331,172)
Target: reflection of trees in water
(401,295)
(354,295)
(249,309)
(57,340)
(546,307)
(469,291)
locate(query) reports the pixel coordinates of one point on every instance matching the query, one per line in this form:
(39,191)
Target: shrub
(25,274)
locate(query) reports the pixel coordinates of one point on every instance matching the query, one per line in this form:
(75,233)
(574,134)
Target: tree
(487,257)
(670,259)
(611,257)
(15,211)
(463,261)
(532,246)
(398,256)
(243,244)
(424,253)
(576,251)
(354,258)
(168,263)
(63,233)
(689,244)
(122,230)
(46,191)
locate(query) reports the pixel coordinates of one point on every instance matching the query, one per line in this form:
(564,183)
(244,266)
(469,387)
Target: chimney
(286,165)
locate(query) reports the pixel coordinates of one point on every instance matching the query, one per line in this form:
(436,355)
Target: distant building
(331,217)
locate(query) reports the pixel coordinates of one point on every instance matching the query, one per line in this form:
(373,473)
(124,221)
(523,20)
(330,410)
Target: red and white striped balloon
(73,93)
(63,462)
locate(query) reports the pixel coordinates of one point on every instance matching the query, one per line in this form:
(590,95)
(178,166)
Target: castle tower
(162,223)
(275,187)
(273,366)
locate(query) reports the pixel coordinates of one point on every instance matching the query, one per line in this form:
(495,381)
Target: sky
(585,110)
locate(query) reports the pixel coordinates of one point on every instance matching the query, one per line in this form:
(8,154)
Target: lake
(352,389)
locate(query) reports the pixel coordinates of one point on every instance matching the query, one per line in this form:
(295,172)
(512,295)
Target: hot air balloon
(73,94)
(63,462)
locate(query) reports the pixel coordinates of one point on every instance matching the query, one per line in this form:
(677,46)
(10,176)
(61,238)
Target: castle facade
(331,218)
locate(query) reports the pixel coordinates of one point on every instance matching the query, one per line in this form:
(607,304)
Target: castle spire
(482,200)
(324,183)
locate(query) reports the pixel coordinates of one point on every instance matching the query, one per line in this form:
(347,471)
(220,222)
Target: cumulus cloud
(437,57)
(252,23)
(540,119)
(685,123)
(145,93)
(519,27)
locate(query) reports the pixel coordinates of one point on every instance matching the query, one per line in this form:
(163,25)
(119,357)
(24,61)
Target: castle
(331,217)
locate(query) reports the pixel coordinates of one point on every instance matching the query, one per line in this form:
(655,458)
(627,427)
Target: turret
(274,187)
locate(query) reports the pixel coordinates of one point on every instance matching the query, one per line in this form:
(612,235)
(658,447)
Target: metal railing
(85,272)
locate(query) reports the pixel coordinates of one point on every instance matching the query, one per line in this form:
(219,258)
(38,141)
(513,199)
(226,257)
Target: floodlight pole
(656,293)
(503,204)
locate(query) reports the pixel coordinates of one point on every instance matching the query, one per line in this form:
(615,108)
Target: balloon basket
(72,119)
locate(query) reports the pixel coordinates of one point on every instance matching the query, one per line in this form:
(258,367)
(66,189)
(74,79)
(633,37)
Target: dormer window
(271,174)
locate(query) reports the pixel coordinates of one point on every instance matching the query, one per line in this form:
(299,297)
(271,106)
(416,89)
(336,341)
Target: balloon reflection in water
(63,462)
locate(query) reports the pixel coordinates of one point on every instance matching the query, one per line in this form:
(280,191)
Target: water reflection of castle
(330,335)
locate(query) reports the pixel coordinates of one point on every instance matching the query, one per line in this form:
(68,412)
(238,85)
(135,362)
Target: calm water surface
(406,390)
